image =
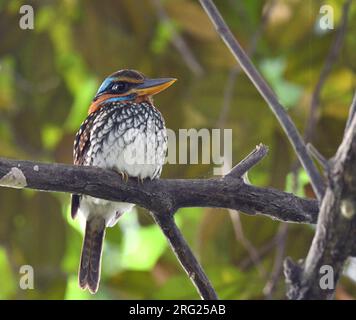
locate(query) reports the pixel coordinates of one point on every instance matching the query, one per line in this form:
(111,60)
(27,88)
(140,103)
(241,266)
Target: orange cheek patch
(93,107)
(96,105)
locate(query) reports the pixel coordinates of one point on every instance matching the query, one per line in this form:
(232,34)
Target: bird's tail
(89,270)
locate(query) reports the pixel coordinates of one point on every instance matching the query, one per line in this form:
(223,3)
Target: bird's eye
(119,86)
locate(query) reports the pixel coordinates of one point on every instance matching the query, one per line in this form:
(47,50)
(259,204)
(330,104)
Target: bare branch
(269,96)
(352,113)
(336,228)
(249,161)
(164,195)
(278,261)
(178,41)
(262,252)
(185,256)
(318,156)
(226,106)
(282,234)
(246,243)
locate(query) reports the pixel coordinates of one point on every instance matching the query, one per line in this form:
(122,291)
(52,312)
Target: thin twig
(185,256)
(281,236)
(269,96)
(334,51)
(178,42)
(318,156)
(236,70)
(329,62)
(262,252)
(249,161)
(278,261)
(249,247)
(228,94)
(226,106)
(240,171)
(352,113)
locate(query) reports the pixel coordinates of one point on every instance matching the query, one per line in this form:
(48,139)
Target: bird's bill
(153,86)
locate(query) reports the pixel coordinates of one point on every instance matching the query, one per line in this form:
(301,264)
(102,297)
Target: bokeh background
(48,77)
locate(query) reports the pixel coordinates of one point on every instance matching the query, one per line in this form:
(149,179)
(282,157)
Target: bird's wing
(82,141)
(81,147)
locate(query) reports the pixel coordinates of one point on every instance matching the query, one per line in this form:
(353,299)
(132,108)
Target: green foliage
(164,34)
(142,245)
(7,82)
(302,180)
(7,283)
(287,92)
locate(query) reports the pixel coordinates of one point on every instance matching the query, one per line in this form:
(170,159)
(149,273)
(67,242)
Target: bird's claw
(124,176)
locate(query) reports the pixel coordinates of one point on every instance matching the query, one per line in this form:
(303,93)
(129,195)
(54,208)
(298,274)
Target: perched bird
(123,132)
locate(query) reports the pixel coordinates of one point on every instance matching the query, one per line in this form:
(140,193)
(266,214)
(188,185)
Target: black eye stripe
(119,87)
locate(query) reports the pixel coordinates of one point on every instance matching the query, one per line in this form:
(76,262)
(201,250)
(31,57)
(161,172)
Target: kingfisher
(123,132)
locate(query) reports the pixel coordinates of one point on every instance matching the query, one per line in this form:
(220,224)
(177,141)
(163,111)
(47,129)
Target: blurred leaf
(81,103)
(7,281)
(74,292)
(169,289)
(44,18)
(163,36)
(302,180)
(232,283)
(142,246)
(287,92)
(131,285)
(7,83)
(342,82)
(50,136)
(190,18)
(15,5)
(228,281)
(70,262)
(188,221)
(45,227)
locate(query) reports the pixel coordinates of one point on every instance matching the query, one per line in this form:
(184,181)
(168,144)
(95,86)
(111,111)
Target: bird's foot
(124,176)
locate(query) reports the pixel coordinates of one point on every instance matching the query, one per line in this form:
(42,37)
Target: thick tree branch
(269,96)
(336,228)
(164,195)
